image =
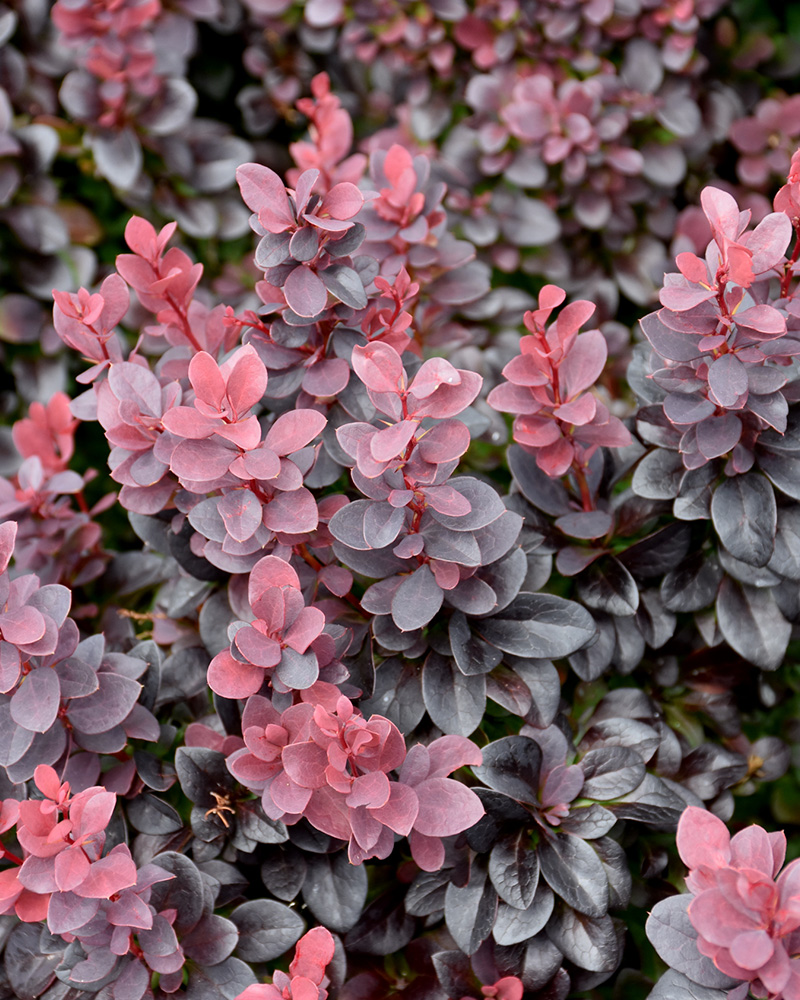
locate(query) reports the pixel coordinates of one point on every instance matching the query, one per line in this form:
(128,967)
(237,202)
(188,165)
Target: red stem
(187,330)
(787,273)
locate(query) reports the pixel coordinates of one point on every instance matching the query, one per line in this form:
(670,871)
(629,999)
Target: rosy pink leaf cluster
(323,761)
(556,419)
(285,638)
(724,345)
(745,910)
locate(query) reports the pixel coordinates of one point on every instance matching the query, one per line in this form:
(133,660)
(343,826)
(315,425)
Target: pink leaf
(292,513)
(313,952)
(343,201)
(447,500)
(400,811)
(305,763)
(246,379)
(288,796)
(391,442)
(47,781)
(763,319)
(70,869)
(271,572)
(372,789)
(432,374)
(232,679)
(721,210)
(551,296)
(379,367)
(446,807)
(257,648)
(207,380)
(8,535)
(702,839)
(264,193)
(22,625)
(201,461)
(579,411)
(305,629)
(294,430)
(752,949)
(692,267)
(448,753)
(186,422)
(428,852)
(141,237)
(448,400)
(109,875)
(572,317)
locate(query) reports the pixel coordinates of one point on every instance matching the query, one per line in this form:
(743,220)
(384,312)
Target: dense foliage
(400,512)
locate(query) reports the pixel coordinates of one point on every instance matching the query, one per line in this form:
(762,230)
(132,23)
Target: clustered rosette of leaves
(734,931)
(356,668)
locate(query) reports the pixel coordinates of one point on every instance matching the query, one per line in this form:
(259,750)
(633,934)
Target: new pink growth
(557,420)
(747,915)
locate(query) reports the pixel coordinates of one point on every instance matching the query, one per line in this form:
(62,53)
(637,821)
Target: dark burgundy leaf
(211,940)
(416,600)
(29,971)
(226,980)
(611,772)
(107,707)
(658,553)
(184,893)
(472,655)
(470,911)
(514,871)
(346,285)
(454,702)
(675,986)
(149,814)
(693,584)
(574,872)
(590,942)
(693,501)
(335,891)
(744,515)
(514,926)
(398,694)
(202,771)
(284,871)
(752,624)
(511,765)
(267,929)
(426,893)
(454,972)
(658,475)
(385,927)
(608,586)
(543,492)
(542,626)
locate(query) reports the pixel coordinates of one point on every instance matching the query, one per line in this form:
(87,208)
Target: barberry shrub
(395,638)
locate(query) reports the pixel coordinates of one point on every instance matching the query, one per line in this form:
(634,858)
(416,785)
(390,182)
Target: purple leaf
(727,379)
(718,435)
(36,701)
(305,293)
(416,600)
